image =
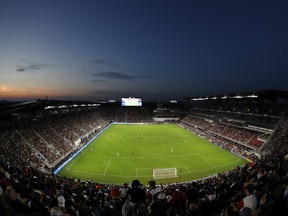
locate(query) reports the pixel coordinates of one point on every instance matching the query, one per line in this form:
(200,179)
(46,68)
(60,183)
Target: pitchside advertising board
(131,101)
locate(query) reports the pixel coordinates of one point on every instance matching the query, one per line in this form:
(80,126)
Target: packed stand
(133,115)
(46,143)
(259,188)
(239,135)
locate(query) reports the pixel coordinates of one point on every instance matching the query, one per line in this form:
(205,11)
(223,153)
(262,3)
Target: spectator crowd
(259,188)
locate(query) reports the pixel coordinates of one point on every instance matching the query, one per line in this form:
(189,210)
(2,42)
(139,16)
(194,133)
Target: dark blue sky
(157,50)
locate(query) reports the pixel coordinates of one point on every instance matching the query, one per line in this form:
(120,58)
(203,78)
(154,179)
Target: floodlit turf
(126,152)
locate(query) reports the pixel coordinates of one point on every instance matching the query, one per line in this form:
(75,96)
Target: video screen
(131,101)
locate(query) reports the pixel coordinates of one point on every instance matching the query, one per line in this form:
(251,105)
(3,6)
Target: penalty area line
(205,160)
(107,166)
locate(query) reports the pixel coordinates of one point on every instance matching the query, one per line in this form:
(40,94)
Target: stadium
(202,154)
(143,108)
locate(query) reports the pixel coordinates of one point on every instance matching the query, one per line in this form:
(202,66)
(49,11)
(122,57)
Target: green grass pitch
(126,152)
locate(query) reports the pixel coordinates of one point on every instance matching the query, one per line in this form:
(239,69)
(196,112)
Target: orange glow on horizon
(8,92)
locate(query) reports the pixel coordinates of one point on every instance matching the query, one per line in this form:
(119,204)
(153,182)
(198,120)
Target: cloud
(20,69)
(30,66)
(105,62)
(113,75)
(117,75)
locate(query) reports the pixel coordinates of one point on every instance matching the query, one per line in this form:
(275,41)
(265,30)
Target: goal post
(164,173)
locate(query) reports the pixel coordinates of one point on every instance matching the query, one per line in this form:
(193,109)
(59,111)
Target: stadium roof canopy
(272,95)
(7,107)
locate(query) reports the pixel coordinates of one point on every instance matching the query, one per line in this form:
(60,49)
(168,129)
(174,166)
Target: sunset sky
(157,50)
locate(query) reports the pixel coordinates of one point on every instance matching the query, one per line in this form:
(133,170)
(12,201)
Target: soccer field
(124,152)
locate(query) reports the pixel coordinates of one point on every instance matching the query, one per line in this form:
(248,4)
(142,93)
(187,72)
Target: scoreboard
(131,101)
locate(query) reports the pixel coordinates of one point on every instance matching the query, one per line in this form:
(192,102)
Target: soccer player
(171,150)
(118,154)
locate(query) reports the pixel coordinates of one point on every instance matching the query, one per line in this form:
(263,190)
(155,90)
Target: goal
(164,173)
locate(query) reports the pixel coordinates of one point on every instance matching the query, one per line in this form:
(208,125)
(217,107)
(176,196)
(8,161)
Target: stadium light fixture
(252,96)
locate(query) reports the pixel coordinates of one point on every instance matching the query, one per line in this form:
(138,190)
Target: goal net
(164,173)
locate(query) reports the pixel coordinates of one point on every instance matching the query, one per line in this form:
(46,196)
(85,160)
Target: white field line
(107,166)
(159,156)
(186,168)
(101,174)
(193,171)
(76,159)
(214,166)
(205,159)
